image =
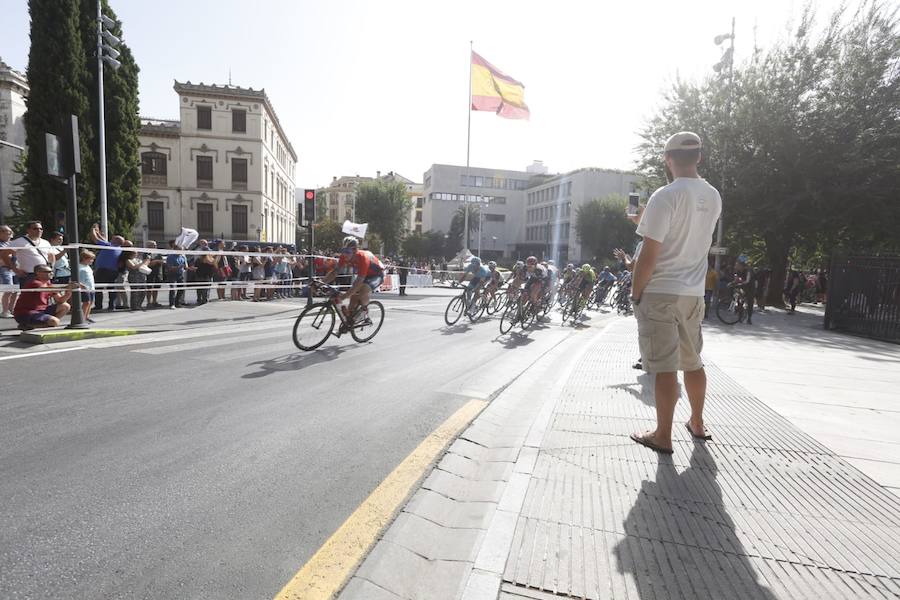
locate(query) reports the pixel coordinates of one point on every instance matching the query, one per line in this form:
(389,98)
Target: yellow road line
(325,573)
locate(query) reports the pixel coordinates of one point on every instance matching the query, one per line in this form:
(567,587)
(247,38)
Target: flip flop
(646,442)
(705,436)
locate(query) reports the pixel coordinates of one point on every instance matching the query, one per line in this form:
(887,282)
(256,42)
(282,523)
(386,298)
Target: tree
(415,245)
(123,124)
(62,76)
(601,226)
(56,76)
(385,206)
(813,140)
(328,235)
(454,240)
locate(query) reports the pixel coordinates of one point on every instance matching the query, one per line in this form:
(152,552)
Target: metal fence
(864,296)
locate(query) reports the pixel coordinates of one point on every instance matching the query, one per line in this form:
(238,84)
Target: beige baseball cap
(683,140)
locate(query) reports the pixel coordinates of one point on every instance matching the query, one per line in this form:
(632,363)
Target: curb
(50,337)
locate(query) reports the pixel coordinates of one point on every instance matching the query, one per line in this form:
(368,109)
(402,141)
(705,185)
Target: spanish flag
(494,91)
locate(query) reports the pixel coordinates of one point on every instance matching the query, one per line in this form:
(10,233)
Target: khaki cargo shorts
(669,332)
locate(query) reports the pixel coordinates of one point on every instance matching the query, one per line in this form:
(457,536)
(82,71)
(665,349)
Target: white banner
(187,237)
(357,229)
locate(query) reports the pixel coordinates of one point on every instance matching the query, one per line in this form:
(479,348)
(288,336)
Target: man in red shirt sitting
(369,273)
(33,309)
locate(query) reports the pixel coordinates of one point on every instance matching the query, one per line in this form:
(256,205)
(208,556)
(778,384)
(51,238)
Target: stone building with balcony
(226,168)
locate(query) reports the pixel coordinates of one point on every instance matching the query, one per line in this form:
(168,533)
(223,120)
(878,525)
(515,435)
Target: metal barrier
(863,296)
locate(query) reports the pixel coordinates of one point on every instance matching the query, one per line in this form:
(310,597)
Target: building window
(153,169)
(205,219)
(266,178)
(238,121)
(239,173)
(239,221)
(204,172)
(495,218)
(156,220)
(204,117)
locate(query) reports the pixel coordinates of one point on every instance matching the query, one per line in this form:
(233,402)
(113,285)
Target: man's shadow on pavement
(681,517)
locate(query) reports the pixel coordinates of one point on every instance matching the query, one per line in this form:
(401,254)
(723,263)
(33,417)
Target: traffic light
(309,206)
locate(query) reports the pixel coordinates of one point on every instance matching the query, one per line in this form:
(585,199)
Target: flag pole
(468,145)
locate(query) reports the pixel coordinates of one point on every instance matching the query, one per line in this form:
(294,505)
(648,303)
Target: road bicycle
(731,308)
(316,322)
(457,306)
(518,312)
(574,308)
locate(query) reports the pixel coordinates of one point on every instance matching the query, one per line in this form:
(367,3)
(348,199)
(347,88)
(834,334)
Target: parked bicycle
(316,322)
(731,307)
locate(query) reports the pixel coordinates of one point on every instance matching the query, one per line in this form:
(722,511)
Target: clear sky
(361,86)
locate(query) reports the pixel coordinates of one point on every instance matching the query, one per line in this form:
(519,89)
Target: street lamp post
(105,53)
(727,60)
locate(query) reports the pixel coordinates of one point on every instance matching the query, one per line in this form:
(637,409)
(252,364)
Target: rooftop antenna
(229,75)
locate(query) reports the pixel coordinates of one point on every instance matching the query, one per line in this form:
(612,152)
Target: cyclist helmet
(570,266)
(606,269)
(586,268)
(742,259)
(519,264)
(351,242)
(475,261)
(551,263)
(492,265)
(531,261)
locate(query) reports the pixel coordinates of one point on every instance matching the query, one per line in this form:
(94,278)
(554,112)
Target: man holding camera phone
(668,286)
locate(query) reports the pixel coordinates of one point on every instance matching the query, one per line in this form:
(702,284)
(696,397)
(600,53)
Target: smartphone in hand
(633,204)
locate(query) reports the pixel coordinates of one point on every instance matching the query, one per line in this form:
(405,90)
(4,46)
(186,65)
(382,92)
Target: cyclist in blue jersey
(480,276)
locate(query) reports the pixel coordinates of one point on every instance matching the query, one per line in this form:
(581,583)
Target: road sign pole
(77,317)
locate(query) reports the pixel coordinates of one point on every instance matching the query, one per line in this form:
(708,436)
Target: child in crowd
(86,278)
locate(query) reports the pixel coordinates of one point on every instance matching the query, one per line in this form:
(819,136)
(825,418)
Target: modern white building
(226,168)
(522,212)
(13,92)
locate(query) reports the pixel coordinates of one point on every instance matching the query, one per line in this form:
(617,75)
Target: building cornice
(13,78)
(236,92)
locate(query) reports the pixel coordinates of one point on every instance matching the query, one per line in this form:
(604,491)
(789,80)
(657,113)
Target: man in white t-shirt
(34,250)
(668,286)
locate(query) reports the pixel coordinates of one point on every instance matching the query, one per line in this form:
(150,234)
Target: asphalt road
(213,462)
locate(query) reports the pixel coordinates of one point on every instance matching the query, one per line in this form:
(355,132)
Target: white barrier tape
(167,251)
(388,285)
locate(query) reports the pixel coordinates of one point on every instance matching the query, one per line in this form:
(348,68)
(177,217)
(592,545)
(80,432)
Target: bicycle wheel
(366,330)
(527,315)
(314,325)
(498,303)
(477,310)
(508,320)
(455,309)
(578,309)
(727,310)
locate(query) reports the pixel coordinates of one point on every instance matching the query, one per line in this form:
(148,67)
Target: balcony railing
(148,180)
(204,183)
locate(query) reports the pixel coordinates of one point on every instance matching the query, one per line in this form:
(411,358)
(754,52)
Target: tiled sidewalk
(549,498)
(763,511)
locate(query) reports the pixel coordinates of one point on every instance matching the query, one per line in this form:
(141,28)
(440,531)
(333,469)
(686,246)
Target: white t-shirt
(682,216)
(32,256)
